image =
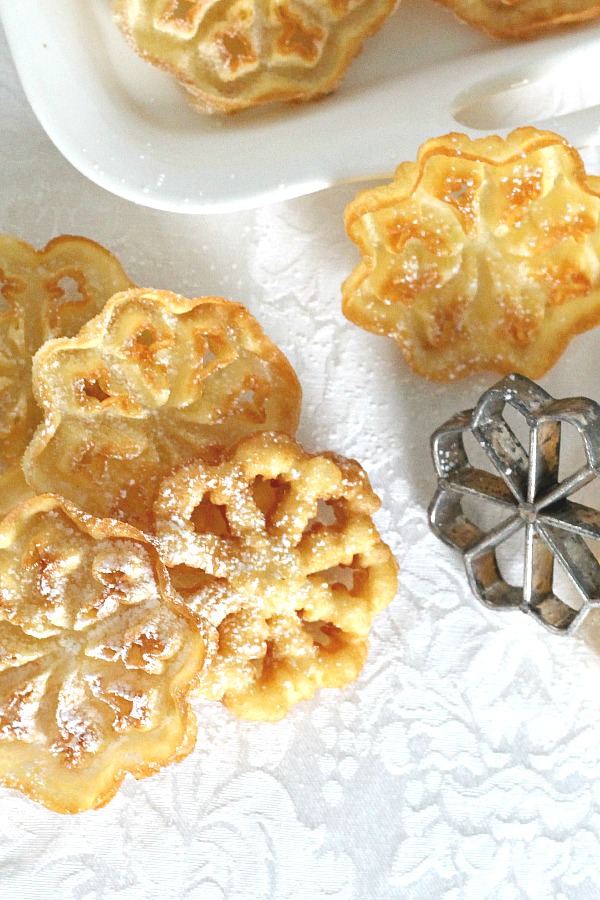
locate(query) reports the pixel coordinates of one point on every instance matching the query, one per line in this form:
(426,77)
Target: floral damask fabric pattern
(465,761)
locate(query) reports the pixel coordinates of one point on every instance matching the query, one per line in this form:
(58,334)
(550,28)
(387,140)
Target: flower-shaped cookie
(231,54)
(483,254)
(522,18)
(97,657)
(151,383)
(44,294)
(277,549)
(526,488)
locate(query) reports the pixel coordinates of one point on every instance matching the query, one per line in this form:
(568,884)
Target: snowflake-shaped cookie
(152,382)
(277,549)
(231,54)
(483,254)
(97,657)
(525,487)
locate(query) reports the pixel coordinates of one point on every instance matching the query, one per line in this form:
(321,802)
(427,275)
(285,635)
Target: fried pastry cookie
(277,549)
(482,254)
(232,54)
(96,657)
(522,18)
(13,489)
(154,381)
(43,294)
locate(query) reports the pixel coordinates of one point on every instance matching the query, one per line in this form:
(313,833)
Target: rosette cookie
(231,54)
(277,549)
(44,294)
(152,382)
(96,657)
(482,254)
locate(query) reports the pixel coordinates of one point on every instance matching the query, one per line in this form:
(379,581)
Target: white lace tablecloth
(465,762)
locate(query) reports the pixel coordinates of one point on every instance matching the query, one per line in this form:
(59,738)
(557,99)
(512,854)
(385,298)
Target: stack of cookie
(164,535)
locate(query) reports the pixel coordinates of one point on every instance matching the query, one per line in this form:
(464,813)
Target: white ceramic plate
(129,128)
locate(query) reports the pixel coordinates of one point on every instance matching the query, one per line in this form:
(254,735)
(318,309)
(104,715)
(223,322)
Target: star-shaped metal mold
(527,486)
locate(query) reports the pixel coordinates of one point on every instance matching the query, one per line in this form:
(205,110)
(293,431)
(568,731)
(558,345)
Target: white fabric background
(465,761)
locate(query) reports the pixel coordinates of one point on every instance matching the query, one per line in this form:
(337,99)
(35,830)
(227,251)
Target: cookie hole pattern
(326,635)
(235,51)
(458,191)
(340,575)
(147,647)
(209,518)
(298,38)
(90,389)
(45,570)
(268,493)
(69,290)
(9,288)
(209,354)
(246,397)
(147,337)
(17,720)
(117,581)
(180,17)
(130,707)
(327,515)
(78,740)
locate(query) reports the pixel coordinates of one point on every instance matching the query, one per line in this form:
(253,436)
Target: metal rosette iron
(524,483)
